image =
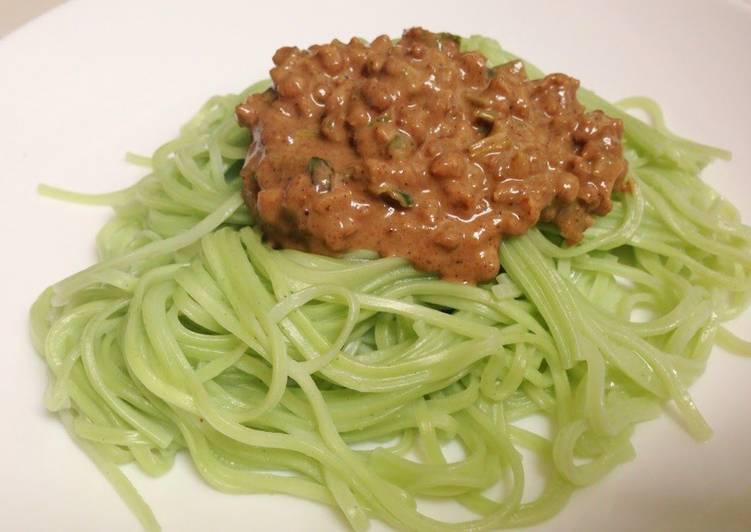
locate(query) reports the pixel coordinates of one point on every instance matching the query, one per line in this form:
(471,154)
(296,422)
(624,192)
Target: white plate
(90,80)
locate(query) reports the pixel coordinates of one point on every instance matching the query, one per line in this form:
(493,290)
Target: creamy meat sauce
(415,149)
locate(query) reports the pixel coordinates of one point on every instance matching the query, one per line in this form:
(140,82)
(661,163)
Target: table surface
(15,13)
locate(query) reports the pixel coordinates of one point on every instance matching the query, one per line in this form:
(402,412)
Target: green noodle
(273,368)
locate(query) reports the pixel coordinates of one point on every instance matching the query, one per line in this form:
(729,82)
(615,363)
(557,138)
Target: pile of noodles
(274,368)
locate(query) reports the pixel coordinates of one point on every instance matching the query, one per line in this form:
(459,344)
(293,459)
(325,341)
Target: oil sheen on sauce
(417,150)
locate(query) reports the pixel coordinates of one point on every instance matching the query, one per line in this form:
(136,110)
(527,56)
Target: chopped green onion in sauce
(321,174)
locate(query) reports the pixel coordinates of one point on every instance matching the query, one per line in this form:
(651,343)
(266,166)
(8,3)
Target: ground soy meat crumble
(415,149)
